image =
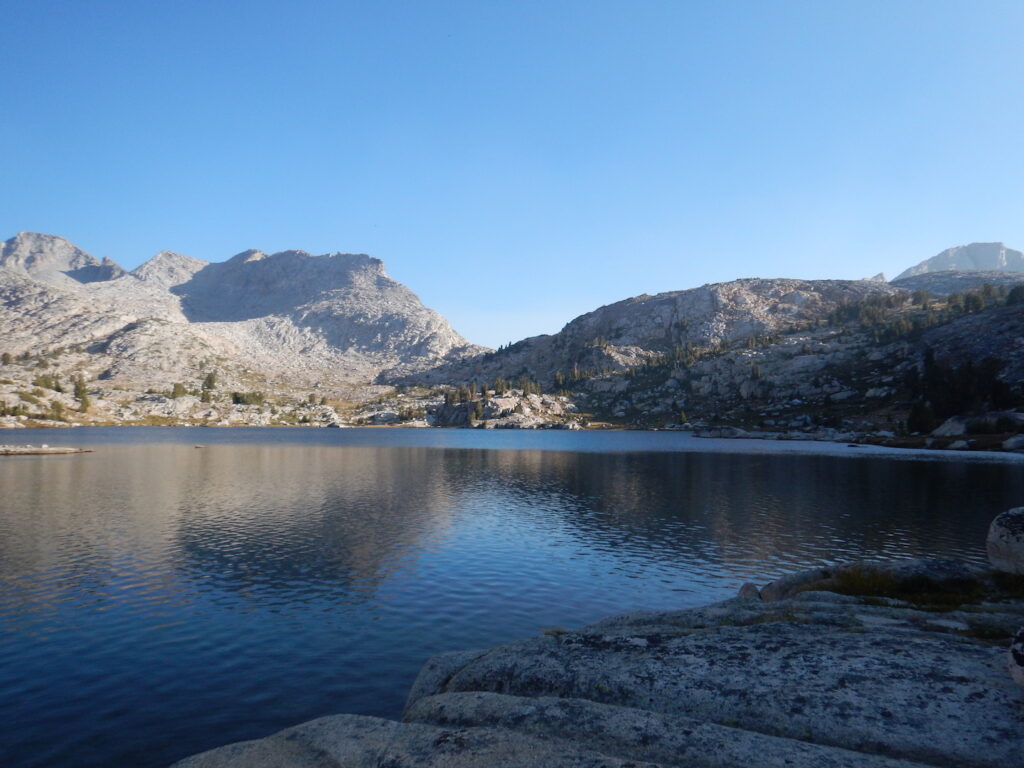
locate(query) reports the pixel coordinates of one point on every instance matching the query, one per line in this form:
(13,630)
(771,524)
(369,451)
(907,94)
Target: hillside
(286,323)
(293,338)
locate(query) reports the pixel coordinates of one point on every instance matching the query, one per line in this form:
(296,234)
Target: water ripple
(159,600)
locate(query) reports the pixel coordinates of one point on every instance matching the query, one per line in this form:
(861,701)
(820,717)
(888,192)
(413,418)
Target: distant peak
(52,259)
(978,256)
(168,269)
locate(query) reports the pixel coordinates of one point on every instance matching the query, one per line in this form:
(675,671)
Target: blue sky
(519,163)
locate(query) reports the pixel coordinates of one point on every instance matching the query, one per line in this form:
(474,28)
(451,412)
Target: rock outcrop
(815,679)
(1016,659)
(1005,542)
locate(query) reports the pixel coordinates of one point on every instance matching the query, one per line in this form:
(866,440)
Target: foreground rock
(1005,542)
(815,679)
(1017,657)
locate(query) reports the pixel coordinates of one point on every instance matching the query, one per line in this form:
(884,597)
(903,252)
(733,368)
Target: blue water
(159,599)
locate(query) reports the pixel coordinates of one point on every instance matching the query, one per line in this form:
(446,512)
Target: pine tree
(81,393)
(178,390)
(210,382)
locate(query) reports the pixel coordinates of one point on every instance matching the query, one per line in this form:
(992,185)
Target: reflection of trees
(759,508)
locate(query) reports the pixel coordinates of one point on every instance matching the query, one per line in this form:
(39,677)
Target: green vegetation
(247,398)
(81,393)
(888,318)
(921,592)
(12,410)
(48,381)
(178,390)
(210,382)
(6,358)
(410,413)
(29,397)
(943,390)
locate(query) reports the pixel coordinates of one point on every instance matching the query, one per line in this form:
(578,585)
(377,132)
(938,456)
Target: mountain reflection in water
(161,599)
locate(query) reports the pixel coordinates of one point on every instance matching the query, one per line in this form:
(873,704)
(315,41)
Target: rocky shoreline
(39,450)
(865,664)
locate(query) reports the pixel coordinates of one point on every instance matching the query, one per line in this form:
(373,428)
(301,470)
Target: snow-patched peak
(54,260)
(168,269)
(971,257)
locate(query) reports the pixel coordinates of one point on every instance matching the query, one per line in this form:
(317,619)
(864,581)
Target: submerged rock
(750,591)
(1005,542)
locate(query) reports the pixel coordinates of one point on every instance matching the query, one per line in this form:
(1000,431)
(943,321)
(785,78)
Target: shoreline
(596,440)
(810,670)
(41,450)
(961,444)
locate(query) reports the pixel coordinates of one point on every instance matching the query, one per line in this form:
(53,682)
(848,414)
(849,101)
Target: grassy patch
(1010,585)
(920,592)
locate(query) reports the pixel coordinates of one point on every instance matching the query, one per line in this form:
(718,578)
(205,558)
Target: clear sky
(517,163)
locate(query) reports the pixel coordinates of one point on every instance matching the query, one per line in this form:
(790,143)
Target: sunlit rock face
(631,332)
(972,257)
(291,316)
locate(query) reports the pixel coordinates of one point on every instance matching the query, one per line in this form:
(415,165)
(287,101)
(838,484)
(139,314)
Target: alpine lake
(177,589)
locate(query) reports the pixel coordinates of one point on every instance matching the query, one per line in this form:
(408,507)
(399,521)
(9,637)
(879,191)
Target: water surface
(160,599)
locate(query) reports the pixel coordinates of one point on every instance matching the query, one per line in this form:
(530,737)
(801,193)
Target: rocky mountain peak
(971,257)
(168,269)
(54,260)
(252,254)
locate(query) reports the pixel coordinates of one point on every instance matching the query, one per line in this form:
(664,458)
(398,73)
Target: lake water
(159,599)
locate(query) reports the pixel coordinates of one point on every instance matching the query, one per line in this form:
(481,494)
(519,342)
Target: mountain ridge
(293,337)
(336,317)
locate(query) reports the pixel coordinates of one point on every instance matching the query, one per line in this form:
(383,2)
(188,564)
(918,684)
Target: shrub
(921,418)
(247,398)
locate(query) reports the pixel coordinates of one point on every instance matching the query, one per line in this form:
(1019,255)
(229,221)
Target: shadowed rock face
(957,281)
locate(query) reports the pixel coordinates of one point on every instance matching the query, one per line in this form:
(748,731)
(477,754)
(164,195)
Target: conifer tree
(81,393)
